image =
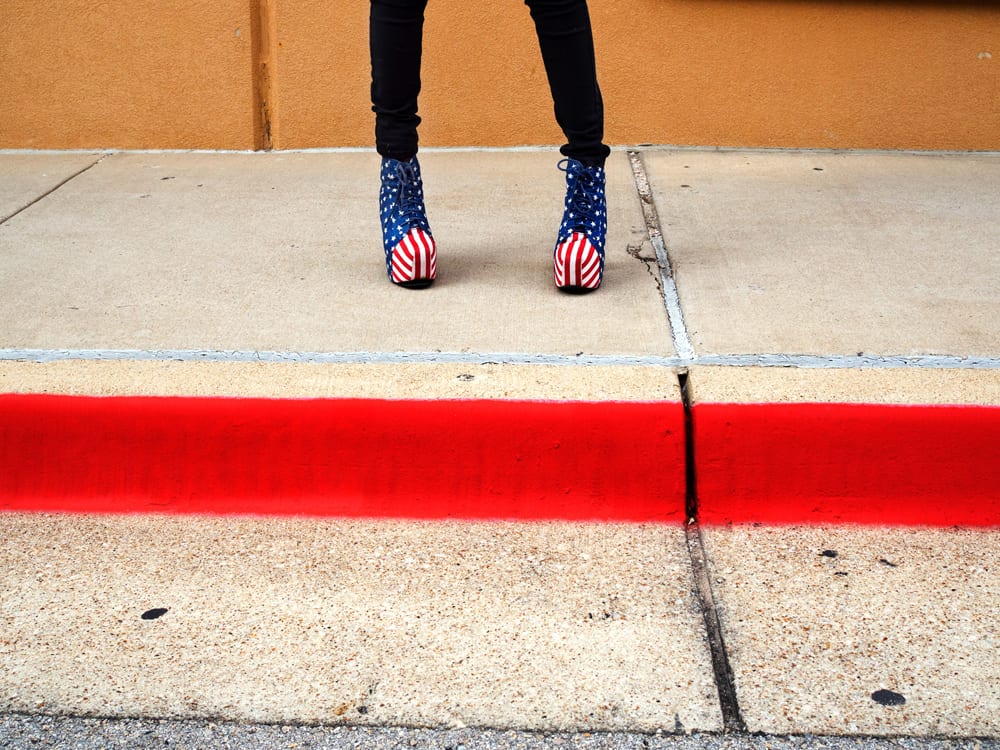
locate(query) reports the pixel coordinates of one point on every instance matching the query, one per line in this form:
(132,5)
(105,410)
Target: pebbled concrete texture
(832,252)
(373,380)
(766,385)
(532,626)
(282,252)
(26,176)
(817,621)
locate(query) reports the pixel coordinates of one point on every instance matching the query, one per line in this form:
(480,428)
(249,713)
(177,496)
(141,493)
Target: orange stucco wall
(125,73)
(794,73)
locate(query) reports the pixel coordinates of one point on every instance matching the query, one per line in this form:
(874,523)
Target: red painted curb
(848,463)
(434,459)
(612,461)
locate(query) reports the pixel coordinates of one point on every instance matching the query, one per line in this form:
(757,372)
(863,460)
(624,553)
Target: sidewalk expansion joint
(690,467)
(668,285)
(788,361)
(51,190)
(732,720)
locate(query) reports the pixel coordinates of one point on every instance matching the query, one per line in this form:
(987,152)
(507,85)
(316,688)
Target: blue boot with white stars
(410,251)
(579,255)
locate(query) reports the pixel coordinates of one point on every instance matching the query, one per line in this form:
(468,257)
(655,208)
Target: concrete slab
(833,253)
(779,385)
(542,626)
(818,621)
(27,176)
(372,380)
(282,252)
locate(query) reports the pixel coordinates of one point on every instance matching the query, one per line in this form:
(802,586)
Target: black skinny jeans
(566,41)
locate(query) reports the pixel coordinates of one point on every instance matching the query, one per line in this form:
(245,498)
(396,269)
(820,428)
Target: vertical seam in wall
(262,20)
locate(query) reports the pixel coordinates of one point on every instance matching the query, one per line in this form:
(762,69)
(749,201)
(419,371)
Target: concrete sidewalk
(774,253)
(734,278)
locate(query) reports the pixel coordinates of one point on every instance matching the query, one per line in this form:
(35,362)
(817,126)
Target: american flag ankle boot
(410,251)
(579,255)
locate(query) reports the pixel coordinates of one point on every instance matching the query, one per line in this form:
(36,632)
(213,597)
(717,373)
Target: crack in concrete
(51,190)
(636,252)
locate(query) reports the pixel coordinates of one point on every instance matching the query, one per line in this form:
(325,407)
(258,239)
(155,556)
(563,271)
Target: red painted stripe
(768,463)
(353,457)
(848,463)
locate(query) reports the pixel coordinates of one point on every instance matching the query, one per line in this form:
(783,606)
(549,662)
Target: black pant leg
(567,44)
(396,40)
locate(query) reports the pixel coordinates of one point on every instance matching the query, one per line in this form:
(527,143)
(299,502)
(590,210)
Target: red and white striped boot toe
(578,265)
(413,262)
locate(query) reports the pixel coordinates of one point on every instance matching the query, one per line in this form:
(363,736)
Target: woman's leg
(396,41)
(567,44)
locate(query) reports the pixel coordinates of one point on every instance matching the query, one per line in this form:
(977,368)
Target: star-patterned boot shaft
(578,259)
(410,251)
